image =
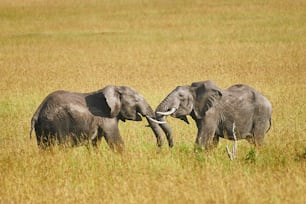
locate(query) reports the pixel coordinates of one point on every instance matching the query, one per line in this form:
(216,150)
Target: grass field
(152,46)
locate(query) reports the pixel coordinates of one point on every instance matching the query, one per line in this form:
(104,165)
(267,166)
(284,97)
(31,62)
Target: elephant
(72,119)
(238,111)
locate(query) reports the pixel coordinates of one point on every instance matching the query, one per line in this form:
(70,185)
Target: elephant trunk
(147,111)
(162,107)
(157,132)
(167,130)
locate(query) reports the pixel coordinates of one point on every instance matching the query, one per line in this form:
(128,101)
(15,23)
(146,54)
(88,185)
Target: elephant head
(126,104)
(192,100)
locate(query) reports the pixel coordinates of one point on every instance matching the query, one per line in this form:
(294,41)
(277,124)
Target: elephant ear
(113,100)
(207,95)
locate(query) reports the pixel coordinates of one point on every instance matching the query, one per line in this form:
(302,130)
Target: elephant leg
(112,135)
(206,142)
(115,142)
(206,134)
(256,139)
(39,135)
(215,141)
(45,139)
(250,139)
(93,135)
(198,139)
(42,136)
(167,131)
(96,141)
(259,132)
(63,138)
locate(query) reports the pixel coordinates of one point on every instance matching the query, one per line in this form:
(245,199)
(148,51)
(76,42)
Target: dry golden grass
(152,46)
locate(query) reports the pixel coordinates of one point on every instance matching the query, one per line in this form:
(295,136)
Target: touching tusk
(168,112)
(156,121)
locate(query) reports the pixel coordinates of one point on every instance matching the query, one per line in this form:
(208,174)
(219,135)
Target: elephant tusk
(168,112)
(156,121)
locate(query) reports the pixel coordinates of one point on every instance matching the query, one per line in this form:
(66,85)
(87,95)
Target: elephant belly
(241,128)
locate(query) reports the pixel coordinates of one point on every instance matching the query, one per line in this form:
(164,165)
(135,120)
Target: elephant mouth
(137,117)
(124,117)
(184,118)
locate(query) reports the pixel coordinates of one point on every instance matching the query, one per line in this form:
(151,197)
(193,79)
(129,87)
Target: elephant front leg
(215,141)
(114,140)
(110,130)
(198,145)
(206,138)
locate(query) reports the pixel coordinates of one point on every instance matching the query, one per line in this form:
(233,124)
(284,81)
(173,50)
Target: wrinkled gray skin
(73,119)
(215,111)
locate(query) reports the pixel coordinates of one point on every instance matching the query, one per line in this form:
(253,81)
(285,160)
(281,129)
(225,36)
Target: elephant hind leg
(259,132)
(96,140)
(41,136)
(255,139)
(45,139)
(259,138)
(250,138)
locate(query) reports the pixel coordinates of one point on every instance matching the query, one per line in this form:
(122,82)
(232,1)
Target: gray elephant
(72,119)
(239,111)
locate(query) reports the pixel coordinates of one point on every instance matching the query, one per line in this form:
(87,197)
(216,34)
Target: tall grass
(152,46)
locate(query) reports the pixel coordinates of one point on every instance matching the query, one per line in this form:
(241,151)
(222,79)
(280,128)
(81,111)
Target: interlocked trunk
(146,110)
(165,127)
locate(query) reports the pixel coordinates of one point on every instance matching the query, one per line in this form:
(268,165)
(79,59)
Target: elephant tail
(270,125)
(33,121)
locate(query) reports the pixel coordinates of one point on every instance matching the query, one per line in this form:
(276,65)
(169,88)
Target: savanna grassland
(152,46)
